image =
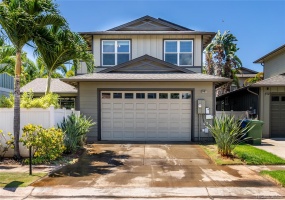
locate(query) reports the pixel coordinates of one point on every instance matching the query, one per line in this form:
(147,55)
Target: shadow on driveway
(92,163)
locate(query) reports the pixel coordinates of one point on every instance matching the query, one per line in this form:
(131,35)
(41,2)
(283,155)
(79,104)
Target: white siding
(274,66)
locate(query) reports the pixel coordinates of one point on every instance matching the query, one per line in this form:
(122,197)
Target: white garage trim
(124,115)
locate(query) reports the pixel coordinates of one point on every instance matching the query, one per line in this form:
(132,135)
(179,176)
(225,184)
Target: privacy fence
(47,118)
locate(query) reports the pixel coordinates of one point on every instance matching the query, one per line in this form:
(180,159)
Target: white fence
(47,118)
(237,114)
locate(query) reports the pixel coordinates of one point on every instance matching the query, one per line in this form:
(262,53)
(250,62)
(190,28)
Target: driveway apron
(150,165)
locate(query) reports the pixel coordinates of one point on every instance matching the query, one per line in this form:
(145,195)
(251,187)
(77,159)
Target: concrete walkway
(273,145)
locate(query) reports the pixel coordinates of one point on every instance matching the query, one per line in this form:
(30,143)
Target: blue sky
(258,25)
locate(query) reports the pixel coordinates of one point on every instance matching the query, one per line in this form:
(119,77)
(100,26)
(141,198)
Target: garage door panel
(129,115)
(117,106)
(142,118)
(277,116)
(118,115)
(151,106)
(174,106)
(129,106)
(151,115)
(140,106)
(163,106)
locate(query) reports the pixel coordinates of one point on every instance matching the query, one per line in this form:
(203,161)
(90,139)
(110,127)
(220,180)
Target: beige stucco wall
(274,66)
(147,44)
(88,97)
(265,97)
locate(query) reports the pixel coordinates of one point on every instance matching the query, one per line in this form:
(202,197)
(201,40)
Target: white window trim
(116,51)
(178,50)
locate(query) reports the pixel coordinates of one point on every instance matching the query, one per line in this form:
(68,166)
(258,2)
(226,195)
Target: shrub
(227,132)
(75,129)
(5,144)
(7,102)
(47,143)
(28,100)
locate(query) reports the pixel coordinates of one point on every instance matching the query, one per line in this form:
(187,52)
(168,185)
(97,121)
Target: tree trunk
(48,83)
(17,154)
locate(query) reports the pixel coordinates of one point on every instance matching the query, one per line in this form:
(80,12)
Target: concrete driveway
(150,165)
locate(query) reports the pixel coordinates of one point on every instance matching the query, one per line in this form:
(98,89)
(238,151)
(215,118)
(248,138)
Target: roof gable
(244,70)
(146,64)
(148,23)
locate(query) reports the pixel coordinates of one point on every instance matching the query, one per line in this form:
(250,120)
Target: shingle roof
(278,80)
(197,77)
(275,51)
(57,86)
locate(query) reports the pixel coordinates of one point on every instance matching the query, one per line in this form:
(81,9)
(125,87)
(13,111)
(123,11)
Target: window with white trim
(115,52)
(179,52)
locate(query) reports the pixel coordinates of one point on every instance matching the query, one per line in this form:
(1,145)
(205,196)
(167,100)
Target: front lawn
(14,179)
(243,154)
(278,176)
(254,156)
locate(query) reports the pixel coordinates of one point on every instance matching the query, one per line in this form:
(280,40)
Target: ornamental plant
(47,144)
(7,102)
(227,132)
(75,129)
(6,142)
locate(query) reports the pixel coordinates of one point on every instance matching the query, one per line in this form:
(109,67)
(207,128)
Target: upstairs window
(179,52)
(115,52)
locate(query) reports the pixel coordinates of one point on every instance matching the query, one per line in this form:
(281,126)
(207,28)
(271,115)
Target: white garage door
(146,116)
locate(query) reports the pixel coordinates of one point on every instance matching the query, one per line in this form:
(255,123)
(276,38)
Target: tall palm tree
(70,46)
(22,22)
(221,58)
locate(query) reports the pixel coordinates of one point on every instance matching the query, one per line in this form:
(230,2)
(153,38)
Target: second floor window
(179,52)
(115,52)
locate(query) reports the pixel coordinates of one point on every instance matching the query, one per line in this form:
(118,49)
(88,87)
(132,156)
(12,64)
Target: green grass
(243,154)
(277,176)
(212,152)
(13,180)
(254,156)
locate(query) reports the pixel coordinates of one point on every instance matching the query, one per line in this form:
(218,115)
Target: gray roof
(278,80)
(159,20)
(57,86)
(272,53)
(122,77)
(148,33)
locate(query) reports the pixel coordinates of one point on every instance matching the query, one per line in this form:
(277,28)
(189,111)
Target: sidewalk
(152,193)
(273,145)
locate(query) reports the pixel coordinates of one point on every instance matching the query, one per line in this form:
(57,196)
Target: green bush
(5,144)
(75,129)
(28,100)
(47,143)
(227,132)
(7,102)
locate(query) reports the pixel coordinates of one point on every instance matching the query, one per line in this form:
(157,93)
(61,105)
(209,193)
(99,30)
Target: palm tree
(221,58)
(258,77)
(22,22)
(70,46)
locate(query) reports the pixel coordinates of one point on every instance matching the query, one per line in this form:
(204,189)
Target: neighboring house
(148,83)
(67,92)
(240,99)
(6,84)
(272,93)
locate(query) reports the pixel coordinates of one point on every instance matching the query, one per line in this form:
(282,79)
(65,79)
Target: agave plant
(75,129)
(227,132)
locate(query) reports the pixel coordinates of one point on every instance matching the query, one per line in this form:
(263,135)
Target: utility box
(201,106)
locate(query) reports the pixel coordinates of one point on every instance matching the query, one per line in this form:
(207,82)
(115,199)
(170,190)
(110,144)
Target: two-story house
(272,93)
(147,83)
